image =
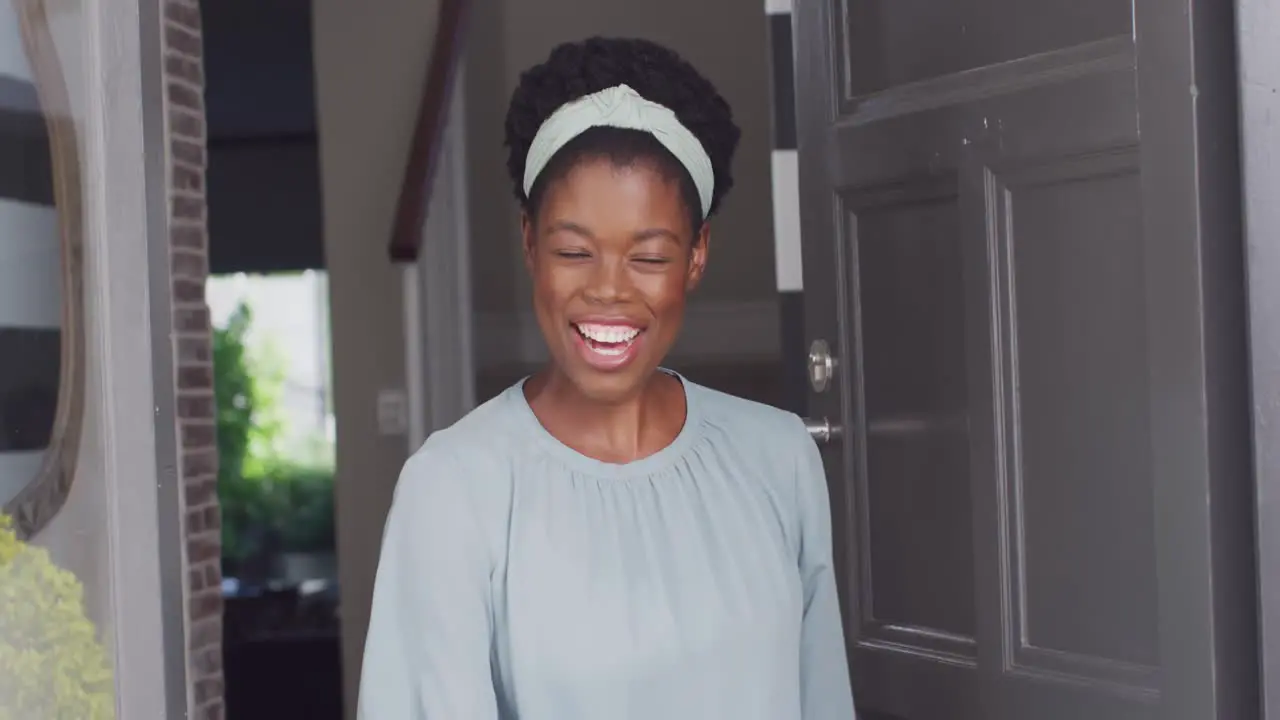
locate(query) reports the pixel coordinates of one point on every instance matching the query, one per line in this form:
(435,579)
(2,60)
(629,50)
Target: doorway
(268,297)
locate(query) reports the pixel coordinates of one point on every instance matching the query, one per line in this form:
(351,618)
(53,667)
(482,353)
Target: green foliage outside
(52,666)
(270,501)
(235,392)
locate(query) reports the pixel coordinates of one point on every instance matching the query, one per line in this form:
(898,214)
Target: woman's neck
(622,431)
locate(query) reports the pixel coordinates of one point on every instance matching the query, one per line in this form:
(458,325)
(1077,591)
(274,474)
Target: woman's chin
(607,382)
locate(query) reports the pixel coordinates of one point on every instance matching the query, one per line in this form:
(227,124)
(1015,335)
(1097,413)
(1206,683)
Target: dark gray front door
(1020,248)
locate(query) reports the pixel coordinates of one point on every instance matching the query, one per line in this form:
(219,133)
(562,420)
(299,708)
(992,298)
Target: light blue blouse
(521,580)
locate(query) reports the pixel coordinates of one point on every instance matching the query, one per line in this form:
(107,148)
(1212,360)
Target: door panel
(977,251)
(898,215)
(884,44)
(910,295)
(1061,441)
(1076,426)
(1065,471)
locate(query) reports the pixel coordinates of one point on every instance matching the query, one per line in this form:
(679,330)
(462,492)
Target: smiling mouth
(607,340)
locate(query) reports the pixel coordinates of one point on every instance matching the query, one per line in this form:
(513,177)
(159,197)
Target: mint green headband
(621,107)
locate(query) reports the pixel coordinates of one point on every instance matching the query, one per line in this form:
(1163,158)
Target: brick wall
(184,74)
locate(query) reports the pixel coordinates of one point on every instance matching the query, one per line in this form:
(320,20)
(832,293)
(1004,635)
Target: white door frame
(1258,58)
(127,289)
(439,355)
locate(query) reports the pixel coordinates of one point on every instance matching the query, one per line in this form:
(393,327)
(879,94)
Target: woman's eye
(572,254)
(653,260)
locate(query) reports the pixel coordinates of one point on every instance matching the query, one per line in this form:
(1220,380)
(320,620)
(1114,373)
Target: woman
(607,540)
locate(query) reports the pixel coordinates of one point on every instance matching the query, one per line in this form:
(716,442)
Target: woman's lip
(607,322)
(604,362)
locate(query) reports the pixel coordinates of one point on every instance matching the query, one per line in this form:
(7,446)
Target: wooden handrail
(428,133)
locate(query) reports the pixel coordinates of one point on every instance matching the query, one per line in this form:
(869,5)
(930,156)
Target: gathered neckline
(647,465)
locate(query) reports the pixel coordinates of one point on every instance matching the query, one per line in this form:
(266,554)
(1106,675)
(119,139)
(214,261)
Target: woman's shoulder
(480,435)
(751,420)
(468,458)
(768,444)
(772,441)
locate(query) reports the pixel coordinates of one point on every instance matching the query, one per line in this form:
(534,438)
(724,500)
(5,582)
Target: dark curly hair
(655,72)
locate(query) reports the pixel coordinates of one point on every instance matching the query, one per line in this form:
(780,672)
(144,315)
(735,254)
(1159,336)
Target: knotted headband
(621,107)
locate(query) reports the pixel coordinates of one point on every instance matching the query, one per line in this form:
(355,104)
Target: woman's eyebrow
(570,227)
(655,233)
(636,237)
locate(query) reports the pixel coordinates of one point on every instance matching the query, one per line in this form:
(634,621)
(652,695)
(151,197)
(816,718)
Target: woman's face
(612,258)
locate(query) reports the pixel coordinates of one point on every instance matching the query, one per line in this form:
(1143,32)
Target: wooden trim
(415,190)
(34,506)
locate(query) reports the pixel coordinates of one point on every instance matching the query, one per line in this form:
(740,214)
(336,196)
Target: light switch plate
(393,412)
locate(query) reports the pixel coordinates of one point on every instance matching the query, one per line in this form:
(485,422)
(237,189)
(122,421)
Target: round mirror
(41,295)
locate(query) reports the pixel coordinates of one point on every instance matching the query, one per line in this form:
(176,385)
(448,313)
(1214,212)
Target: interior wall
(369,64)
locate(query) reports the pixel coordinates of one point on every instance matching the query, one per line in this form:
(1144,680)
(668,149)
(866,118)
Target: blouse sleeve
(824,669)
(427,652)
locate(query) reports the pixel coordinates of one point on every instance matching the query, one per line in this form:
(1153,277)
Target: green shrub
(308,524)
(262,494)
(52,666)
(235,393)
(293,503)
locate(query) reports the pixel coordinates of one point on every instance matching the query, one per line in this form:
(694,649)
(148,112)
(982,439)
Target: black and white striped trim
(30,274)
(786,207)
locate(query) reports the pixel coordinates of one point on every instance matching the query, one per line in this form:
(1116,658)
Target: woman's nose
(609,281)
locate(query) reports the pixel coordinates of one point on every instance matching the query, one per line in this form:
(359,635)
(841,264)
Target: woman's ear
(698,259)
(527,239)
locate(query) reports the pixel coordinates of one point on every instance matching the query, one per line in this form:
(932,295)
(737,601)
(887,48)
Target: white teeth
(609,334)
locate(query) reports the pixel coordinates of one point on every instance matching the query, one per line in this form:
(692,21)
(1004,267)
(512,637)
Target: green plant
(267,368)
(249,506)
(52,666)
(234,392)
(292,504)
(247,387)
(247,390)
(307,525)
(269,503)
